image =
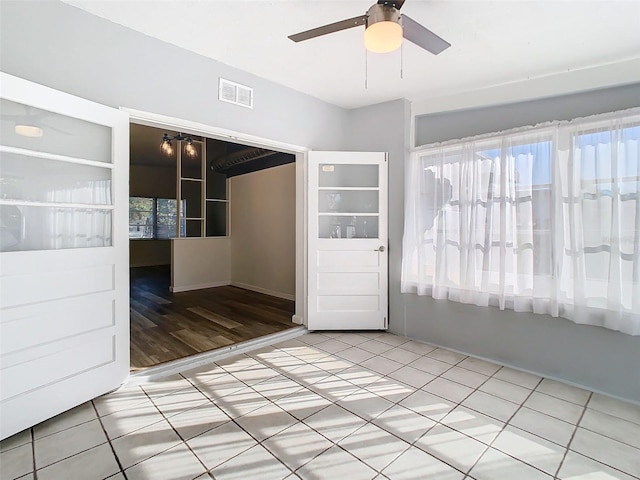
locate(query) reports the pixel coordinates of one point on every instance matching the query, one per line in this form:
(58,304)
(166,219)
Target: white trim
(84,206)
(206,358)
(266,291)
(163,121)
(53,156)
(158,120)
(188,288)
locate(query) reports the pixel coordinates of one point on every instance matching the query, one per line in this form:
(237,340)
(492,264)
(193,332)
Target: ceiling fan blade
(331,28)
(423,37)
(397,4)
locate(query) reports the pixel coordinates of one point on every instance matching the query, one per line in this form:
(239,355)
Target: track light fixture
(167,148)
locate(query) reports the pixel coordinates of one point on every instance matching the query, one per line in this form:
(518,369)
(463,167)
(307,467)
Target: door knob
(379,249)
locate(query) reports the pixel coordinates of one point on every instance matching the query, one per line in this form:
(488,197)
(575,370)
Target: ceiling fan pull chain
(366,69)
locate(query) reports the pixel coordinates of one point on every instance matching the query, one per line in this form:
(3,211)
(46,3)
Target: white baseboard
(266,291)
(187,288)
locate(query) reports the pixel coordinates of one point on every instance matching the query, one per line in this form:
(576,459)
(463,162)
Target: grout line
(33,453)
(575,430)
(115,455)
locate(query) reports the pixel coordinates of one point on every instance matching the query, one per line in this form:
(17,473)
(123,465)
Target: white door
(347,245)
(64,279)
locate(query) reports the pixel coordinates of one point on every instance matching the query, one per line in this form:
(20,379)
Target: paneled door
(347,247)
(64,276)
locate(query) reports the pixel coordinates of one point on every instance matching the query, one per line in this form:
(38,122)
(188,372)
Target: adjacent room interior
(220,269)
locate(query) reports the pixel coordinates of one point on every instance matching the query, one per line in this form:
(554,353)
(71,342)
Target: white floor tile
(297,445)
(16,462)
(81,414)
(544,426)
(412,376)
(196,421)
(219,385)
(391,389)
(418,347)
(429,405)
(495,407)
(122,399)
(352,338)
(334,422)
(505,390)
(554,407)
(16,440)
(302,403)
(332,363)
(255,374)
(404,423)
(131,419)
(355,354)
(167,385)
(256,463)
(365,404)
(465,377)
(333,346)
(180,401)
(145,443)
(177,463)
(221,444)
(416,464)
(563,391)
(523,379)
(334,464)
(66,443)
(241,403)
(359,376)
(97,462)
(313,338)
(615,407)
(333,388)
(241,362)
(374,446)
(473,424)
(381,365)
(579,467)
(450,390)
(430,365)
(400,355)
(306,374)
(452,447)
(447,356)
(480,366)
(612,427)
(265,421)
(605,450)
(531,449)
(277,387)
(375,347)
(495,464)
(392,339)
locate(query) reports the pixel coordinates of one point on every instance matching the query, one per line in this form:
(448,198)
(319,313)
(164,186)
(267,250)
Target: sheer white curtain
(542,219)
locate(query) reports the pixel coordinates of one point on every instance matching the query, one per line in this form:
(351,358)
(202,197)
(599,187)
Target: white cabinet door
(64,267)
(347,245)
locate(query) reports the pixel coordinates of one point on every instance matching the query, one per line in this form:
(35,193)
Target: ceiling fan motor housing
(383,29)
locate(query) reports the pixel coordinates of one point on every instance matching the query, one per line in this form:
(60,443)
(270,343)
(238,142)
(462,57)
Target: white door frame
(164,121)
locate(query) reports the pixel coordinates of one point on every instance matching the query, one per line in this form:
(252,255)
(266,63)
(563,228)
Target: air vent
(235,93)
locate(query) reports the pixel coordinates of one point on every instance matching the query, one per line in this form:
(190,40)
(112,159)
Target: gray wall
(63,47)
(385,128)
(439,127)
(597,358)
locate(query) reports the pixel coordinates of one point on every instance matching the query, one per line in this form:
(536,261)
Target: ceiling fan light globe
(28,131)
(383,37)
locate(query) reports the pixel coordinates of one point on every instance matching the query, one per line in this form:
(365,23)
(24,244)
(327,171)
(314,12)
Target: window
(544,219)
(153,218)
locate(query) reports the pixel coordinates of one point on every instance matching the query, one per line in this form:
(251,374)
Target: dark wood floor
(167,326)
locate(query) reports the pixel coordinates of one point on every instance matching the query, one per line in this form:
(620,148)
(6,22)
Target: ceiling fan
(384,29)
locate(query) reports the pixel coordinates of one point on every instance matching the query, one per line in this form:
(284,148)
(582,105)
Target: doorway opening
(212,243)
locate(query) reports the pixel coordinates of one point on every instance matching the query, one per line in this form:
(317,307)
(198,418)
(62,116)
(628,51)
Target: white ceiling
(495,43)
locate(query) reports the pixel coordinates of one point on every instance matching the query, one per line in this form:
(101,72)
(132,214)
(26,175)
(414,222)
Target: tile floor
(337,405)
